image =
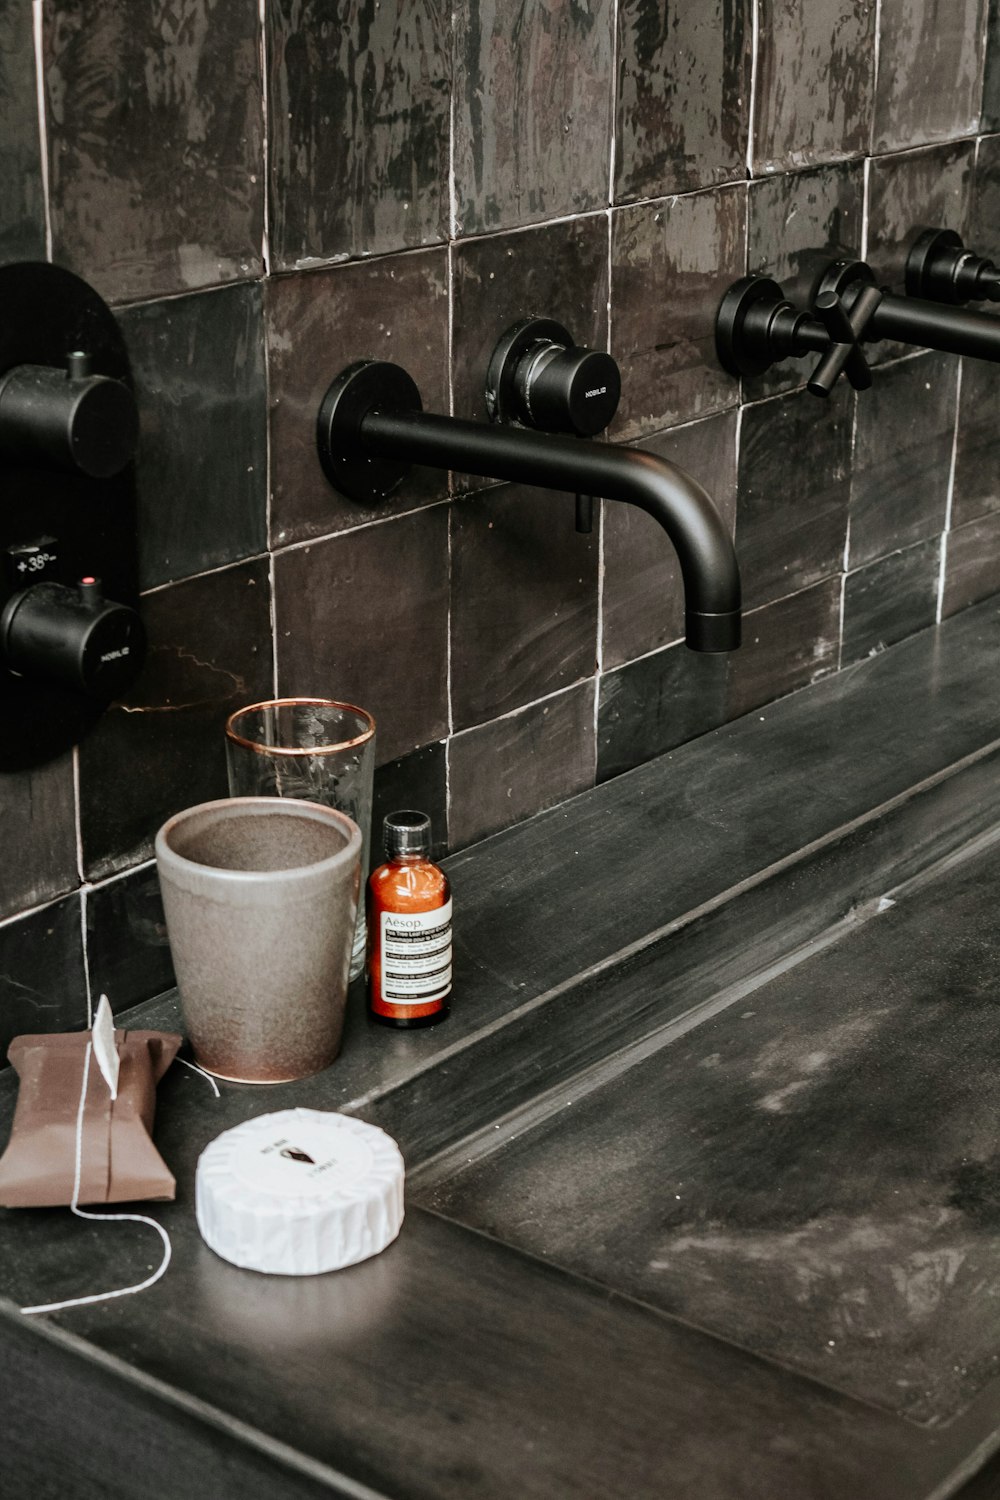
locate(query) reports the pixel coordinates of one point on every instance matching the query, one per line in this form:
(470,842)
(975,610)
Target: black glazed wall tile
(797,223)
(523,601)
(128,955)
(394,308)
(649,706)
(155,141)
(930,72)
(22,208)
(555,271)
(794,489)
(511,768)
(984,217)
(991,69)
(909,191)
(814,84)
(889,599)
(642,604)
(786,645)
(42,981)
(683,96)
(904,437)
(533,91)
(976,485)
(972,564)
(201,467)
(162,748)
(671,261)
(358,115)
(363,617)
(419,780)
(38,819)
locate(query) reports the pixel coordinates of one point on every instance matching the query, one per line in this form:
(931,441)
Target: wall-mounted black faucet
(757,326)
(371,427)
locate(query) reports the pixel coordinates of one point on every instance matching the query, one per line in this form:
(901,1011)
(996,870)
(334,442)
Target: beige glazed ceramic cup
(261,896)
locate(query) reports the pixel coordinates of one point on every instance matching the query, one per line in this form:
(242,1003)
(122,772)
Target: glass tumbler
(315,749)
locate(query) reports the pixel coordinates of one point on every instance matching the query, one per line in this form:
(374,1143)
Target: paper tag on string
(105,1050)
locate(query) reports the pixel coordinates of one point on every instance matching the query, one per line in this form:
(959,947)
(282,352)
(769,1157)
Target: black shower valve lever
(846,330)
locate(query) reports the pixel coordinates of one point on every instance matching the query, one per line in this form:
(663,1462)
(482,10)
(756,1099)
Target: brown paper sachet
(118,1161)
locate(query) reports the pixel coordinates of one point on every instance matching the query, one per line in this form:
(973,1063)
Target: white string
(82,1213)
(195,1069)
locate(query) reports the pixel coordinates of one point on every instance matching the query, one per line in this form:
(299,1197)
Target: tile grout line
(876,69)
(265,234)
(38,35)
(752,101)
(942,564)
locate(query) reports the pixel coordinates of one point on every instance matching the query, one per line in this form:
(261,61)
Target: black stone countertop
(457,1365)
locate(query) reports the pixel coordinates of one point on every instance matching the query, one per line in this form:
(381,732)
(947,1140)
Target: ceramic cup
(261,896)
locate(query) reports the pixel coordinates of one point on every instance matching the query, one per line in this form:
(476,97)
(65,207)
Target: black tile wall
(155,143)
(815,82)
(359,97)
(683,95)
(930,76)
(22,205)
(267,193)
(198,367)
(533,110)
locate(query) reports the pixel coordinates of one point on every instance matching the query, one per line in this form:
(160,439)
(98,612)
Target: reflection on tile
(671,261)
(976,489)
(128,954)
(557,271)
(984,218)
(201,468)
(363,617)
(513,767)
(930,72)
(902,455)
(653,704)
(683,96)
(161,748)
(38,811)
(972,564)
(41,960)
(794,489)
(533,90)
(419,780)
(22,209)
(786,645)
(991,69)
(359,99)
(155,140)
(642,606)
(887,600)
(317,323)
(523,601)
(814,85)
(908,192)
(798,223)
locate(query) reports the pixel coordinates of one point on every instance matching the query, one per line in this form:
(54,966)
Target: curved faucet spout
(694,526)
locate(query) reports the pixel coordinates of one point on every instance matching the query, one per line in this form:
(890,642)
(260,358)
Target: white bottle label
(416,955)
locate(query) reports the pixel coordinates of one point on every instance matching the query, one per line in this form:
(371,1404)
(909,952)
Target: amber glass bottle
(409,928)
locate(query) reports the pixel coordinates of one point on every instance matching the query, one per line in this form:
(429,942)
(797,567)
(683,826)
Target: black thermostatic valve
(73,636)
(69,418)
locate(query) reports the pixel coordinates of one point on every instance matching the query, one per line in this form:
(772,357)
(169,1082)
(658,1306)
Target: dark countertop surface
(460,1365)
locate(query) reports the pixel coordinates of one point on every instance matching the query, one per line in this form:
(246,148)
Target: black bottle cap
(407,832)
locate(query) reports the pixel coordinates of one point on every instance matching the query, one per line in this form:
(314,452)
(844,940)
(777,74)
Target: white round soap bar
(299,1192)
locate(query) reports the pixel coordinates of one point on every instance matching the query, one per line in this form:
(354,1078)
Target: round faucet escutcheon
(538,377)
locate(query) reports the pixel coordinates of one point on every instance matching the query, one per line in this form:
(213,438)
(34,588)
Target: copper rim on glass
(317,749)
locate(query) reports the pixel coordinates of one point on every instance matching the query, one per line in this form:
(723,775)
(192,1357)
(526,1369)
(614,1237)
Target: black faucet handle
(940,268)
(846,330)
(538,377)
